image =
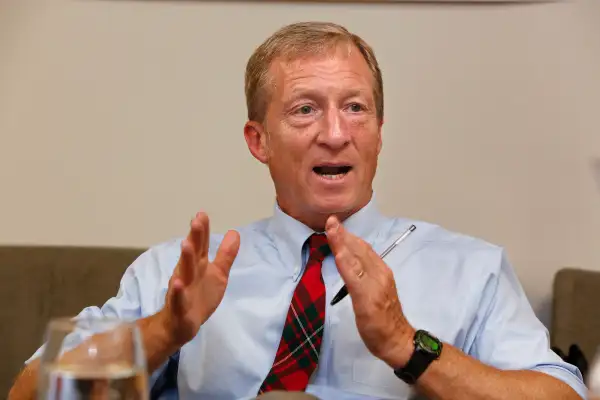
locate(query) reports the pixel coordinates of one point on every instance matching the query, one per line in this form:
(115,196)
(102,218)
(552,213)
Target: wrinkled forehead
(298,61)
(339,48)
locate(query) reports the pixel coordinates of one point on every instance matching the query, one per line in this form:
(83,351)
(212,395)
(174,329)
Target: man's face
(321,136)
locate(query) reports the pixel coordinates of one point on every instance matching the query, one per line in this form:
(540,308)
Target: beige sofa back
(38,283)
(576,310)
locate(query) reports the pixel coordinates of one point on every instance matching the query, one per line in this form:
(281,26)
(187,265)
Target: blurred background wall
(120,119)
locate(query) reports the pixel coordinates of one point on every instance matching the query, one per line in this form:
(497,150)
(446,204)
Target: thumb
(227,251)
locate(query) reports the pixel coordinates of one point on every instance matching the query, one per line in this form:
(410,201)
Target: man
(233,316)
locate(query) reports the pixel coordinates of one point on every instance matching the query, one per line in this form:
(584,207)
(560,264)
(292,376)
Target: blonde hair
(297,40)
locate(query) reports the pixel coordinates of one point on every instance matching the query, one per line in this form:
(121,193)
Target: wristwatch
(427,349)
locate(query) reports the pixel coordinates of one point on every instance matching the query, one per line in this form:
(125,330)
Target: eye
(355,107)
(305,110)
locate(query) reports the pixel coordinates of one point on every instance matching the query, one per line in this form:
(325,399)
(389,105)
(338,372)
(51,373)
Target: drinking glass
(92,358)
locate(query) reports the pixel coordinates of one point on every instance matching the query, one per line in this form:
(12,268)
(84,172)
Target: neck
(316,221)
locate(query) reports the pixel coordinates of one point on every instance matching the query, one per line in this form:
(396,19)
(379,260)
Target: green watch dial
(427,342)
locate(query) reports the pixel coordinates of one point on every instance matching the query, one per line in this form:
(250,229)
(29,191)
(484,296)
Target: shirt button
(296,270)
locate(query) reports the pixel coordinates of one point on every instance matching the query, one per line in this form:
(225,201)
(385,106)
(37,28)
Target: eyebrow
(356,93)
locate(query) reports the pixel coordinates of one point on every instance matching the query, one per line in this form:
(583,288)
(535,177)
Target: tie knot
(318,247)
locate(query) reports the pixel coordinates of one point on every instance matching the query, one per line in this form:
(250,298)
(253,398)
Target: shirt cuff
(572,377)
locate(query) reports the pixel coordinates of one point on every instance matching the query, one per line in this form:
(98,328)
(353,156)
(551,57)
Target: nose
(334,132)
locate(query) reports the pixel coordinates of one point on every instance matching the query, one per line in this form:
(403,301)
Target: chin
(335,203)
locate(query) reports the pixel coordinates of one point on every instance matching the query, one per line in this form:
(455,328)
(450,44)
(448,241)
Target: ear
(256,139)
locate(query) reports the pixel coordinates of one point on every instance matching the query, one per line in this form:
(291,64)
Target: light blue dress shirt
(460,289)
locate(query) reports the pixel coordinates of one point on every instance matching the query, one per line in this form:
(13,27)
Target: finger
(200,235)
(345,258)
(185,267)
(369,260)
(186,258)
(349,269)
(193,249)
(335,234)
(177,296)
(339,239)
(227,251)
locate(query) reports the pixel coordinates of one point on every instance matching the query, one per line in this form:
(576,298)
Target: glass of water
(92,358)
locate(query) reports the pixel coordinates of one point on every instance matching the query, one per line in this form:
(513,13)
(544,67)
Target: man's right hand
(197,285)
(195,290)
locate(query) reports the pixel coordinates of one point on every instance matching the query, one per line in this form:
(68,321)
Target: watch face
(428,342)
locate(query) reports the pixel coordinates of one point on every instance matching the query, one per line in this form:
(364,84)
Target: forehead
(340,67)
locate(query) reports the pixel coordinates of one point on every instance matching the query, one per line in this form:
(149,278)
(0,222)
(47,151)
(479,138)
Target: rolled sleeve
(511,337)
(567,373)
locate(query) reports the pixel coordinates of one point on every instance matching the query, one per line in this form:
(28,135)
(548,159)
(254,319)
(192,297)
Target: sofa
(576,314)
(39,283)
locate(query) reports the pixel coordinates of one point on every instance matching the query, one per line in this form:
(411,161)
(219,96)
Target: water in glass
(99,359)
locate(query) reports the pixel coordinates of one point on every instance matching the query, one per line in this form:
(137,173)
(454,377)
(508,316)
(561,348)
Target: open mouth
(332,172)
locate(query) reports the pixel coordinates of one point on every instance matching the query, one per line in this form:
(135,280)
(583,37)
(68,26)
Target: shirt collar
(289,234)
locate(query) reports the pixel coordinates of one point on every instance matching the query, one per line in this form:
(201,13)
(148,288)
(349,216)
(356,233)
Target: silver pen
(344,290)
(401,238)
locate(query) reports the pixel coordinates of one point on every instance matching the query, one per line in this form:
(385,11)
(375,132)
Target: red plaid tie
(298,352)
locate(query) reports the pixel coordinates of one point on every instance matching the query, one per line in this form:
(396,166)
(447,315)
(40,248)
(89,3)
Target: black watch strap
(415,367)
(421,358)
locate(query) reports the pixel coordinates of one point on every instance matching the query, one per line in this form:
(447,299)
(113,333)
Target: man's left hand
(379,317)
